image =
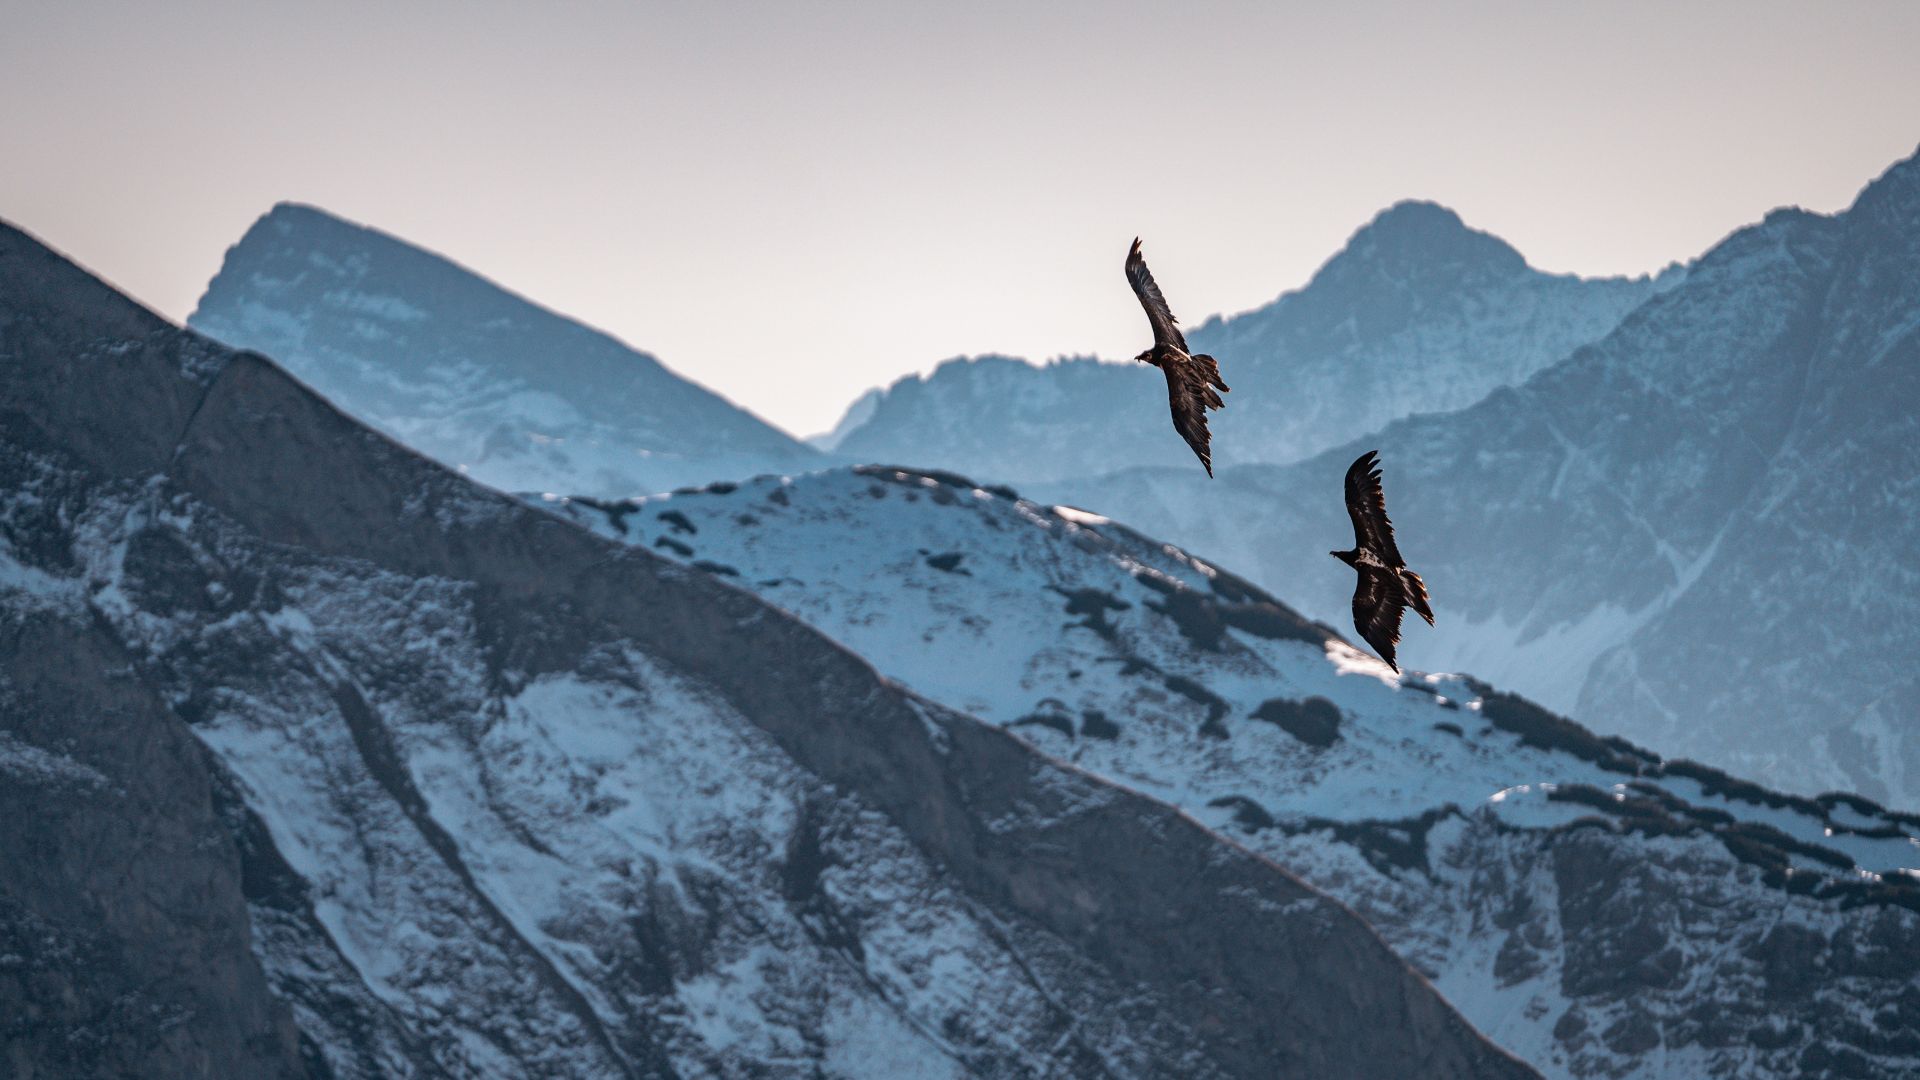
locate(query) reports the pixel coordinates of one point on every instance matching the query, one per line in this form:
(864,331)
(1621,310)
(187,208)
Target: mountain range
(1417,313)
(466,372)
(1697,532)
(326,760)
(320,759)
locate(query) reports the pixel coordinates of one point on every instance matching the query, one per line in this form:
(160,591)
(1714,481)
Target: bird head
(1343,556)
(1145,357)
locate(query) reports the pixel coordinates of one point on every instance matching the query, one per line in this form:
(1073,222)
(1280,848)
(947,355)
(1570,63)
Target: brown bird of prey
(1192,381)
(1386,586)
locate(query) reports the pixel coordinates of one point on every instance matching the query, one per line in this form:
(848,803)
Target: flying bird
(1192,380)
(1386,586)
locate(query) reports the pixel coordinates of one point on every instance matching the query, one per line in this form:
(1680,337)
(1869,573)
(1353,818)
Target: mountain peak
(469,372)
(1415,214)
(1416,233)
(313,226)
(1895,193)
(296,237)
(293,209)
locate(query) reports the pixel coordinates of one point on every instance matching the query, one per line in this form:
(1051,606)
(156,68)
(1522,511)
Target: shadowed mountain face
(470,374)
(1700,532)
(330,762)
(1597,910)
(1418,313)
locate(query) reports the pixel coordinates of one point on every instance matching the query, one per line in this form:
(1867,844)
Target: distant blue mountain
(1418,313)
(468,373)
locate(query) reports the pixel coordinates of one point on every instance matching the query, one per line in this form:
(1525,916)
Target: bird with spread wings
(1193,381)
(1386,587)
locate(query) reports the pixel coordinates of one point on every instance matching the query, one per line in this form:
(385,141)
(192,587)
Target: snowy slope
(1596,910)
(1417,313)
(330,762)
(468,373)
(1699,532)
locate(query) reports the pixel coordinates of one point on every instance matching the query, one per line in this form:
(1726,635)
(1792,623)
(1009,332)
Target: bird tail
(1210,377)
(1416,594)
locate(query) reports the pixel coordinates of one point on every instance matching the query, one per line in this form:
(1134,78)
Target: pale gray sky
(791,202)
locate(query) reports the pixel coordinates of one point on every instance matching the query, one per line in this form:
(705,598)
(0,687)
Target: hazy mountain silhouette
(470,374)
(1417,313)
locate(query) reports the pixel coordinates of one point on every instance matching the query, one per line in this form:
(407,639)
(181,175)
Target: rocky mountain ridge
(1596,909)
(339,764)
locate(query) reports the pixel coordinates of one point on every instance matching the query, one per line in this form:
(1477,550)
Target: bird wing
(1376,611)
(1367,506)
(1190,393)
(1166,331)
(1417,594)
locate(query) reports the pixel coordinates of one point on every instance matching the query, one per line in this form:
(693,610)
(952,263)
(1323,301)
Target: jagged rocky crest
(413,780)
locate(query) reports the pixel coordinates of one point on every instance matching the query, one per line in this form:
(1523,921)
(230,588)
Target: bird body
(1193,380)
(1386,587)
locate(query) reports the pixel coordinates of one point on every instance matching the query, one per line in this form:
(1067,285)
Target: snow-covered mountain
(318,759)
(462,370)
(1701,532)
(1418,313)
(1595,909)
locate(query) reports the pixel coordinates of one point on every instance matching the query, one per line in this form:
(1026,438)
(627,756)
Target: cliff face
(123,932)
(121,919)
(488,794)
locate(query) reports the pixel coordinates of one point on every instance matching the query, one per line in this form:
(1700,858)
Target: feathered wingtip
(1366,467)
(1417,594)
(1210,368)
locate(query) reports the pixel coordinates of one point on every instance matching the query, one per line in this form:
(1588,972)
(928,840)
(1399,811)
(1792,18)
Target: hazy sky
(791,202)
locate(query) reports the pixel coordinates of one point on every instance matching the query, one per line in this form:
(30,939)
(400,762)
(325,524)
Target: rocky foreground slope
(1596,909)
(320,760)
